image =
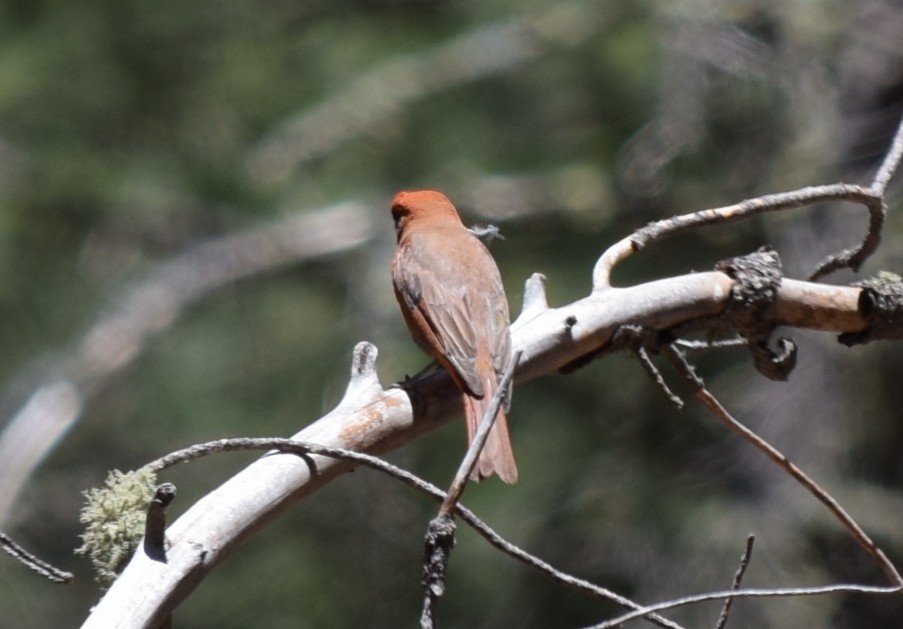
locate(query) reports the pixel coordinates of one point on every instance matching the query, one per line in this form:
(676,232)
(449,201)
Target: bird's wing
(458,310)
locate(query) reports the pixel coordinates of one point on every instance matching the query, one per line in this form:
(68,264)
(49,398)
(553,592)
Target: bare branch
(374,420)
(31,561)
(370,419)
(738,579)
(872,198)
(704,346)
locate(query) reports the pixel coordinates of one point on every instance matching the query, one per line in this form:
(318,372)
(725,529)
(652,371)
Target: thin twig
(38,565)
(780,201)
(738,579)
(634,339)
(703,346)
(440,535)
(298,447)
(891,161)
(853,258)
(715,407)
(751,593)
(479,439)
(656,375)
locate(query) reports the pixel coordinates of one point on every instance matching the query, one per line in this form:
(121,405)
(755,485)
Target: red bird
(454,304)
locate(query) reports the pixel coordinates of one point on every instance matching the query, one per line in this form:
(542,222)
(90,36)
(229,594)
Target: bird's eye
(398,214)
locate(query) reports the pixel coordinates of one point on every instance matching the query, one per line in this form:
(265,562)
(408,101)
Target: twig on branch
(738,579)
(854,258)
(714,406)
(38,565)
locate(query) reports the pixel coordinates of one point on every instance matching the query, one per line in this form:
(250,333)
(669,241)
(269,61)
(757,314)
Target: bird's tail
(497,456)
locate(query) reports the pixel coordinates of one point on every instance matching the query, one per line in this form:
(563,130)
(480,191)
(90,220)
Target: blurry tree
(171,178)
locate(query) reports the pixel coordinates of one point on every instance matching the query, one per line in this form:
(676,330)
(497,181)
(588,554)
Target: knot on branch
(440,539)
(881,303)
(750,309)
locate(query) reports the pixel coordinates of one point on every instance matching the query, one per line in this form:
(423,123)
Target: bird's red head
(421,204)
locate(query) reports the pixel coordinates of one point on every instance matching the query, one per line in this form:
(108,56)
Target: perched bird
(454,304)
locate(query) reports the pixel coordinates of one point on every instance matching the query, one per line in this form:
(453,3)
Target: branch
(31,561)
(738,579)
(750,593)
(479,438)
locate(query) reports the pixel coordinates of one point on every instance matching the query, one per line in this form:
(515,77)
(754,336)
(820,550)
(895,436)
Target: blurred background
(195,233)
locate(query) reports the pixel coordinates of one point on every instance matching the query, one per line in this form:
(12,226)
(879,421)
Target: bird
(453,302)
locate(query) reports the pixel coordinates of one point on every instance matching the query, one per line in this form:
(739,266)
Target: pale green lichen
(114,517)
(881,279)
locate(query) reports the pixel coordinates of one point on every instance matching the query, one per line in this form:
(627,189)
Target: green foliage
(114,517)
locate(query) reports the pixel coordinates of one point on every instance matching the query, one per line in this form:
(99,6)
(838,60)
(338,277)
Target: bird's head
(425,205)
